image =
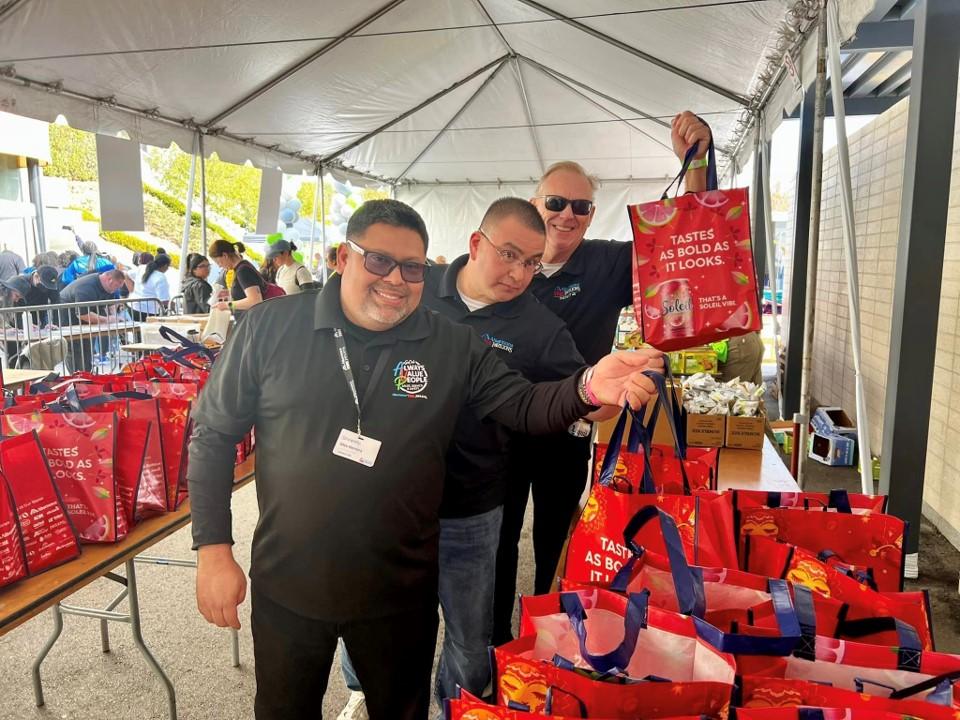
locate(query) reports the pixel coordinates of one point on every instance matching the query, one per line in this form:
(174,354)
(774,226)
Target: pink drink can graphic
(676,308)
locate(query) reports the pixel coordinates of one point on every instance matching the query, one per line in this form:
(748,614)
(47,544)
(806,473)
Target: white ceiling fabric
(190,62)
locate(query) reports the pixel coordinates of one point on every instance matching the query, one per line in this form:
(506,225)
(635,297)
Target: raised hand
(687,129)
(618,378)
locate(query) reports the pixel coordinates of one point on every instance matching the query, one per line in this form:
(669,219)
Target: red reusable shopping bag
(80,448)
(151,492)
(766,694)
(870,543)
(573,644)
(49,538)
(862,604)
(838,500)
(174,432)
(13,557)
(693,270)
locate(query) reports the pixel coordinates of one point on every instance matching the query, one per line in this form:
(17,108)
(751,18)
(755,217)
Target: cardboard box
(745,433)
(706,430)
(836,450)
(833,421)
(783,434)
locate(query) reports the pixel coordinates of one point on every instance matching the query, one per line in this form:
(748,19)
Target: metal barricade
(70,337)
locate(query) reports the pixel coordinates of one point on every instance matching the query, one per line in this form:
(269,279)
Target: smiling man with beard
(354,394)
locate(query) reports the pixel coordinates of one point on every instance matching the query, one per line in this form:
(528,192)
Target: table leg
(235,646)
(104,631)
(57,629)
(138,638)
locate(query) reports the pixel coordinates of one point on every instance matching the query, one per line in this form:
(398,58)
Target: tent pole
(323,225)
(849,246)
(529,113)
(203,192)
(313,224)
(765,152)
(814,245)
(188,214)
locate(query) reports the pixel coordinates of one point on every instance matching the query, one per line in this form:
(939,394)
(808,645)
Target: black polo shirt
(589,292)
(529,339)
(337,540)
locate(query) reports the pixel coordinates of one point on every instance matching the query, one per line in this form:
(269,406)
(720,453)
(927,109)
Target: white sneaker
(355,709)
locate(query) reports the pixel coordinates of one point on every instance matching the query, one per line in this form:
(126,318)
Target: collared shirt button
(366,368)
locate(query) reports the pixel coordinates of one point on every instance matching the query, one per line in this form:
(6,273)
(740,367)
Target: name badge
(357,448)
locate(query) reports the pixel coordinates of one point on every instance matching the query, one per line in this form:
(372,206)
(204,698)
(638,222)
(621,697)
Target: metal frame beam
(920,252)
(299,65)
(529,113)
(730,94)
(890,36)
(865,105)
(869,74)
(404,115)
(880,11)
(759,236)
(571,82)
(894,81)
(798,270)
(452,120)
(9,8)
(559,79)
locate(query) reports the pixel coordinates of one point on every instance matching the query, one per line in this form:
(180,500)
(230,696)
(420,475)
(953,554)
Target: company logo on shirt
(410,379)
(496,343)
(565,293)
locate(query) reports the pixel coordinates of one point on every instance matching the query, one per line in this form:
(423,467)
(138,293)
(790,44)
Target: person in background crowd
(65,258)
(291,275)
(332,260)
(151,283)
(196,290)
(88,263)
(11,264)
(586,283)
(741,357)
(348,533)
(248,286)
(92,288)
(41,287)
(268,271)
(441,260)
(41,259)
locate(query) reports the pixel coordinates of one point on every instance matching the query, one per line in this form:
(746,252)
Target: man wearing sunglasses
(354,393)
(586,283)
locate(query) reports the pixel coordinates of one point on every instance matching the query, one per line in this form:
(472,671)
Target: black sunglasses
(556,203)
(382,265)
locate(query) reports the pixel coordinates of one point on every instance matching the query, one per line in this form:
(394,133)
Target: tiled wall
(876,159)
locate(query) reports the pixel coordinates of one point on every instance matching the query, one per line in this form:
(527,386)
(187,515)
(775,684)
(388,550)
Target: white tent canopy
(479,93)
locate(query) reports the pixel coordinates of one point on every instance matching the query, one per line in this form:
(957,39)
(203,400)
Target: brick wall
(876,159)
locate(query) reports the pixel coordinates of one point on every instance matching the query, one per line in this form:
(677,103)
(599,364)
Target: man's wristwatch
(583,389)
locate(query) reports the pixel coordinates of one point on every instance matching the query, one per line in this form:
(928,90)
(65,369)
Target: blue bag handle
(840,499)
(171,335)
(675,410)
(668,406)
(635,620)
(634,441)
(688,586)
(712,181)
(691,595)
(909,647)
(942,686)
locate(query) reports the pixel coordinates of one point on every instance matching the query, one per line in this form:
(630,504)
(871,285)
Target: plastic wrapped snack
(703,395)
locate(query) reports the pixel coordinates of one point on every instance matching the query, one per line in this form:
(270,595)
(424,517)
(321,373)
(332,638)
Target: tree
(232,190)
(73,154)
(308,191)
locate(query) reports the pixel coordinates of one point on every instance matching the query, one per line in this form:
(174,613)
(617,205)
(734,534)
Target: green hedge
(180,208)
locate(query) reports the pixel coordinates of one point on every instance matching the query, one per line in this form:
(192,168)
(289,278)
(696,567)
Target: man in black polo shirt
(93,288)
(354,393)
(486,290)
(586,283)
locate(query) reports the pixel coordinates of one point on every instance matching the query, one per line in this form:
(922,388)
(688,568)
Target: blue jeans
(468,561)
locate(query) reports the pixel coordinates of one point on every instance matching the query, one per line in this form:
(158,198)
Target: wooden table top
(754,470)
(31,596)
(15,377)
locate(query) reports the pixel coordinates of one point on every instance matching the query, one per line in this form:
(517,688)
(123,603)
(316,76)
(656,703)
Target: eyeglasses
(382,265)
(512,258)
(556,203)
